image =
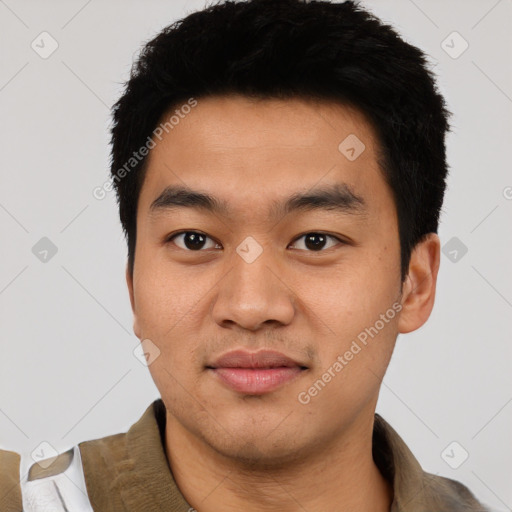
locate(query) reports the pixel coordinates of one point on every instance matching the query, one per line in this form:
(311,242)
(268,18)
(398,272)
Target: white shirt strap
(55,486)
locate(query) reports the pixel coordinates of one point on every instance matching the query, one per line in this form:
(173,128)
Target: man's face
(305,282)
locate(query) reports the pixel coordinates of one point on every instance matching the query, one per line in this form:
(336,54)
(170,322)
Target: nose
(253,294)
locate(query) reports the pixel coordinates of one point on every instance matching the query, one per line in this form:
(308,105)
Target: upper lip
(261,359)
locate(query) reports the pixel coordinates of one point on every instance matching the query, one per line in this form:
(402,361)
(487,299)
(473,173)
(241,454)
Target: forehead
(249,153)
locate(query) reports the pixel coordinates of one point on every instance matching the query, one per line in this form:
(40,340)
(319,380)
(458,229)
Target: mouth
(255,373)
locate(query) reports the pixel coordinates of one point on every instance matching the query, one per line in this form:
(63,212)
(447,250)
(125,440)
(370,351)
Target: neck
(340,477)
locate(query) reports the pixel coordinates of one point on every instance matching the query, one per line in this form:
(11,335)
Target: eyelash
(170,238)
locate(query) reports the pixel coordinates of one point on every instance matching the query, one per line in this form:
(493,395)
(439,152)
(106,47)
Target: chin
(255,458)
(255,451)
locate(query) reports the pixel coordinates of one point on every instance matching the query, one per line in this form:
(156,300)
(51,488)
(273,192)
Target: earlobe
(420,286)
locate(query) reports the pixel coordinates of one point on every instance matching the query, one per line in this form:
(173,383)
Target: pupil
(194,240)
(315,241)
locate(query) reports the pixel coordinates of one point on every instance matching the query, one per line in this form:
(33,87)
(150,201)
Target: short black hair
(284,49)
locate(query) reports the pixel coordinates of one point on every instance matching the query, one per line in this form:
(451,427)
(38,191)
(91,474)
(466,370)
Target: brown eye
(192,241)
(316,242)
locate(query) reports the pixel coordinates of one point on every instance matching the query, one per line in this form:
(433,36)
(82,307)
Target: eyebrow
(338,197)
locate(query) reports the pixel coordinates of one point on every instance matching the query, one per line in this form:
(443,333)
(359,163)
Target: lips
(262,359)
(255,373)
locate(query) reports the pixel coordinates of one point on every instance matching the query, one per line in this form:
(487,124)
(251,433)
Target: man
(280,169)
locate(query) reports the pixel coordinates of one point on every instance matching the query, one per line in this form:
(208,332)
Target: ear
(129,282)
(419,288)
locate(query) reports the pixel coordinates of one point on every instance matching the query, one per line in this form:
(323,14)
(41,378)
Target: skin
(271,452)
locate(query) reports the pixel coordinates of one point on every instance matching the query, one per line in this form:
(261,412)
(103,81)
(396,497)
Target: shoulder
(453,495)
(10,494)
(62,483)
(91,475)
(414,488)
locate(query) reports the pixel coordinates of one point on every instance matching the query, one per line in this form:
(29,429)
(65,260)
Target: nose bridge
(251,292)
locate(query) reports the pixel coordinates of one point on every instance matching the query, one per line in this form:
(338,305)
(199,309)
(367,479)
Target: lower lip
(257,381)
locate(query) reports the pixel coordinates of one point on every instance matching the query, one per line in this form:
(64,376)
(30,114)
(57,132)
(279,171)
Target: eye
(317,241)
(196,241)
(191,240)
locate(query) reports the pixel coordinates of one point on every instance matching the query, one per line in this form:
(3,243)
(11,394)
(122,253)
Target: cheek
(360,326)
(163,299)
(350,303)
(165,317)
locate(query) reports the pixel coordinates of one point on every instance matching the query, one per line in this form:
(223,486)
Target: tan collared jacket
(129,472)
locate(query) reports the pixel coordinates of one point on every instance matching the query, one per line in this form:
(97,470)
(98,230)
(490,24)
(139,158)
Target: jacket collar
(131,471)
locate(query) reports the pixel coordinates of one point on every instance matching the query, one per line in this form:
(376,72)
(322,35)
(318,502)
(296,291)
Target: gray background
(67,369)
